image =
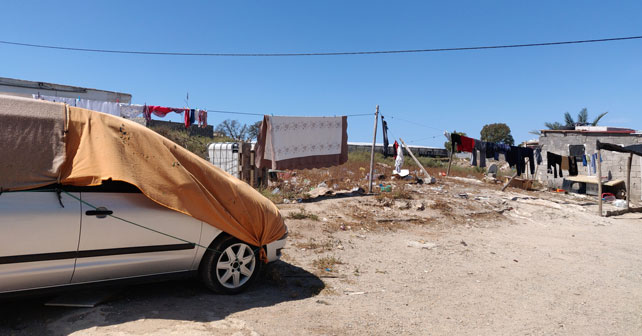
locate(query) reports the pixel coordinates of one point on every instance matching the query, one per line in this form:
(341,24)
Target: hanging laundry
(481,147)
(159,111)
(112,108)
(394,147)
(501,148)
(187,119)
(302,142)
(202,118)
(130,111)
(192,116)
(199,118)
(554,164)
(399,159)
(462,143)
(564,164)
(517,156)
(538,155)
(384,129)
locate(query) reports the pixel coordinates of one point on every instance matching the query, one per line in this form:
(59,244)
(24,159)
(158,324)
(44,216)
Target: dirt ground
(458,257)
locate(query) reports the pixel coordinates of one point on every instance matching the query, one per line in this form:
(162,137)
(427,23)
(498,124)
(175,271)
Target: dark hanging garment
(517,156)
(538,155)
(395,146)
(501,148)
(481,147)
(512,158)
(192,116)
(529,153)
(554,164)
(455,141)
(384,128)
(491,148)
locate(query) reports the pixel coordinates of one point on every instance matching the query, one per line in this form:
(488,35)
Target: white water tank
(225,155)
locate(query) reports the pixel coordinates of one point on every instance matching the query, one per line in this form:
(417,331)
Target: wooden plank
(416,161)
(450,162)
(623,211)
(509,181)
(244,164)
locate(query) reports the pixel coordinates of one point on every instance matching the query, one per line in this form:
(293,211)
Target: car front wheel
(230,266)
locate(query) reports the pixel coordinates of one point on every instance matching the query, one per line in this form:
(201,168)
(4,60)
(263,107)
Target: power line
(341,53)
(416,123)
(232,112)
(262,114)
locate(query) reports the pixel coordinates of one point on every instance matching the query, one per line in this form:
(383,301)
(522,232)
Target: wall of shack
(613,163)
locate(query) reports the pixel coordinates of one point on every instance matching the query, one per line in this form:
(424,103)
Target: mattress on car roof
(32,147)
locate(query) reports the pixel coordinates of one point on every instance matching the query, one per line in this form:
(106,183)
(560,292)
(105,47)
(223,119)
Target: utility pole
(372,150)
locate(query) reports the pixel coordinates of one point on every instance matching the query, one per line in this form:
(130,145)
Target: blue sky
(419,94)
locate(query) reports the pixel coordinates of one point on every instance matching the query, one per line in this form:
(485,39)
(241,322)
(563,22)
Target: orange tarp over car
(101,147)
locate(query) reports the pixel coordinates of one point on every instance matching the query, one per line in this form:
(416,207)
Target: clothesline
(555,163)
(515,156)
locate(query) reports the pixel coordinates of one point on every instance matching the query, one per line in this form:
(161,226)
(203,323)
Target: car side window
(106,187)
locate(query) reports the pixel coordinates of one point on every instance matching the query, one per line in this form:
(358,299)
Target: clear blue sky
(434,91)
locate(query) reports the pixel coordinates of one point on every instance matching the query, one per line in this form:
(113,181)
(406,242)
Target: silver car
(60,236)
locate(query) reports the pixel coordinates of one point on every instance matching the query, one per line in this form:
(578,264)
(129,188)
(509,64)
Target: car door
(38,239)
(112,248)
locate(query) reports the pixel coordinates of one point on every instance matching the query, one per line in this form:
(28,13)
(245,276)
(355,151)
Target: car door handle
(100,212)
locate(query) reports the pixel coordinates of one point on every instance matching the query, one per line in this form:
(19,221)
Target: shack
(581,141)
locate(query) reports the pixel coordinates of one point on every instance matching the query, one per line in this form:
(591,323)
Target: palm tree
(570,123)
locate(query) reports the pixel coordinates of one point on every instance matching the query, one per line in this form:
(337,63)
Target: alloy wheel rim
(235,265)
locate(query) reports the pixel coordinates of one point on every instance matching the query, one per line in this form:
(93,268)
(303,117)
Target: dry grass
(302,214)
(327,262)
(312,244)
(442,206)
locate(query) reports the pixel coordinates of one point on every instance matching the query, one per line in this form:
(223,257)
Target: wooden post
(244,158)
(416,161)
(450,161)
(628,181)
(372,151)
(599,180)
(509,181)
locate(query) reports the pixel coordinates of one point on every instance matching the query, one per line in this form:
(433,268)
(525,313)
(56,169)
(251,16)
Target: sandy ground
(459,258)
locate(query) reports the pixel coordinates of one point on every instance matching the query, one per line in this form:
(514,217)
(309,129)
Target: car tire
(230,266)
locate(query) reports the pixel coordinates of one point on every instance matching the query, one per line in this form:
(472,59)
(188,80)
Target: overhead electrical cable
(340,53)
(262,114)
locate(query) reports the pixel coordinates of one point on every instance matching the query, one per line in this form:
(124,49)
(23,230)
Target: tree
(448,144)
(254,130)
(233,129)
(498,132)
(570,123)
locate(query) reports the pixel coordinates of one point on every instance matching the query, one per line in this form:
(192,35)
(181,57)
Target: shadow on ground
(185,300)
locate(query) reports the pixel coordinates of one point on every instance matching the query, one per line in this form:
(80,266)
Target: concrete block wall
(613,163)
(194,129)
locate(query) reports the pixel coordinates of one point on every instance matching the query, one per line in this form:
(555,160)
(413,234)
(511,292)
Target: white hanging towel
(399,159)
(95,105)
(302,142)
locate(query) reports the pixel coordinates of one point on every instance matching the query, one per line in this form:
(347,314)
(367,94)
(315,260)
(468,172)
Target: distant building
(25,88)
(581,141)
